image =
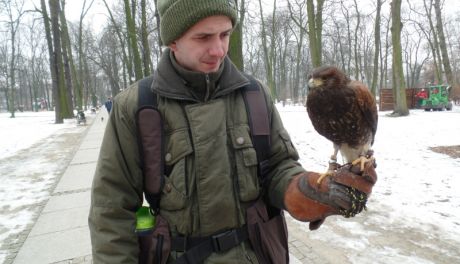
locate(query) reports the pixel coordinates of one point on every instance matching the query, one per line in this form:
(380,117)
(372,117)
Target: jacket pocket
(290,149)
(177,151)
(246,164)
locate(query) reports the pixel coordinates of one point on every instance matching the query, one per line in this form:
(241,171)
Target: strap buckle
(225,241)
(263,169)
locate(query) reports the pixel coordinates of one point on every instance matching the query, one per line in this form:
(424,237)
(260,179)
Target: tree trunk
(127,64)
(114,78)
(56,61)
(157,19)
(442,44)
(34,86)
(13,23)
(54,85)
(12,93)
(384,82)
(346,14)
(146,55)
(132,37)
(375,73)
(236,40)
(283,68)
(355,42)
(315,25)
(302,30)
(268,54)
(436,54)
(67,56)
(399,86)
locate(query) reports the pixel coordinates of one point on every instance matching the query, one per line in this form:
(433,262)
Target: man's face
(203,47)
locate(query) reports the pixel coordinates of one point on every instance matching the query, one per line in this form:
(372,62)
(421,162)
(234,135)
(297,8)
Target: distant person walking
(108,104)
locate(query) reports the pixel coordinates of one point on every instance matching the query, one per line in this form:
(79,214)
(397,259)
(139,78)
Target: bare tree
(81,55)
(146,56)
(55,58)
(443,44)
(435,46)
(127,62)
(132,37)
(106,58)
(4,75)
(268,53)
(34,42)
(315,26)
(347,51)
(356,47)
(399,85)
(236,40)
(375,72)
(67,57)
(49,41)
(412,56)
(282,38)
(14,11)
(157,19)
(300,21)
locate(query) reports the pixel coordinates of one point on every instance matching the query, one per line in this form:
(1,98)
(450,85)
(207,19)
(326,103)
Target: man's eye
(203,37)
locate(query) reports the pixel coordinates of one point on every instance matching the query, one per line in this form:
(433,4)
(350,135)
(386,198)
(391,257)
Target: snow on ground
(414,209)
(34,152)
(24,130)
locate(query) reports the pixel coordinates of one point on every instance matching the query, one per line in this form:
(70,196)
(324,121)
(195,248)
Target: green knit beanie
(177,16)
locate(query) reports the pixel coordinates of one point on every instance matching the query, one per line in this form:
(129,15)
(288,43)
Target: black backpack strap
(259,123)
(196,250)
(260,126)
(146,97)
(150,140)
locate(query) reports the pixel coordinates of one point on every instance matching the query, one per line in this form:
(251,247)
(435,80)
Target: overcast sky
(98,12)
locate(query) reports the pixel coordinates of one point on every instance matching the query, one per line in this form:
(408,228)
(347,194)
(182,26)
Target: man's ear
(173,46)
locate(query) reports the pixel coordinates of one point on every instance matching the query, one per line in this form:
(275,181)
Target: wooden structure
(386,101)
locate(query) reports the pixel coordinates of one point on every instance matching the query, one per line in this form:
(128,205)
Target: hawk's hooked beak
(314,82)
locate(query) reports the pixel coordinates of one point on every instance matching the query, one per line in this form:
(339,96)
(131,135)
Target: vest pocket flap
(241,138)
(249,157)
(178,146)
(285,135)
(246,163)
(171,199)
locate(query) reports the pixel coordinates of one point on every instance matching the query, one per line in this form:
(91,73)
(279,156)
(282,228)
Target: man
(213,165)
(108,104)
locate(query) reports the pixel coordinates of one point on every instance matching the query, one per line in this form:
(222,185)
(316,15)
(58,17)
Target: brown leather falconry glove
(343,193)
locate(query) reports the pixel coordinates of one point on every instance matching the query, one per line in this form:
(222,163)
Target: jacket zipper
(191,142)
(208,82)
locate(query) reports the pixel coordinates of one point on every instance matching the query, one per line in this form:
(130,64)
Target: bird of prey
(345,112)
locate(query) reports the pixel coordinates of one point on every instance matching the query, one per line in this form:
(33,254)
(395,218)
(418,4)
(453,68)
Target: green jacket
(208,146)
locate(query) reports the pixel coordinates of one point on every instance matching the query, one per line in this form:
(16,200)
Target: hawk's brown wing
(367,105)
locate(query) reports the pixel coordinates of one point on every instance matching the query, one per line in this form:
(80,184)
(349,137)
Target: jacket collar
(173,81)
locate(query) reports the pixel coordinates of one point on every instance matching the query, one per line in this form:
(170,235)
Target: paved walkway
(61,233)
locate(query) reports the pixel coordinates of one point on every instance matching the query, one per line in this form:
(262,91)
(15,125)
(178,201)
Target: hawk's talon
(333,166)
(362,160)
(324,175)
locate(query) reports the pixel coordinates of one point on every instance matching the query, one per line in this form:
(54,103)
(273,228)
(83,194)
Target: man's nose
(217,48)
